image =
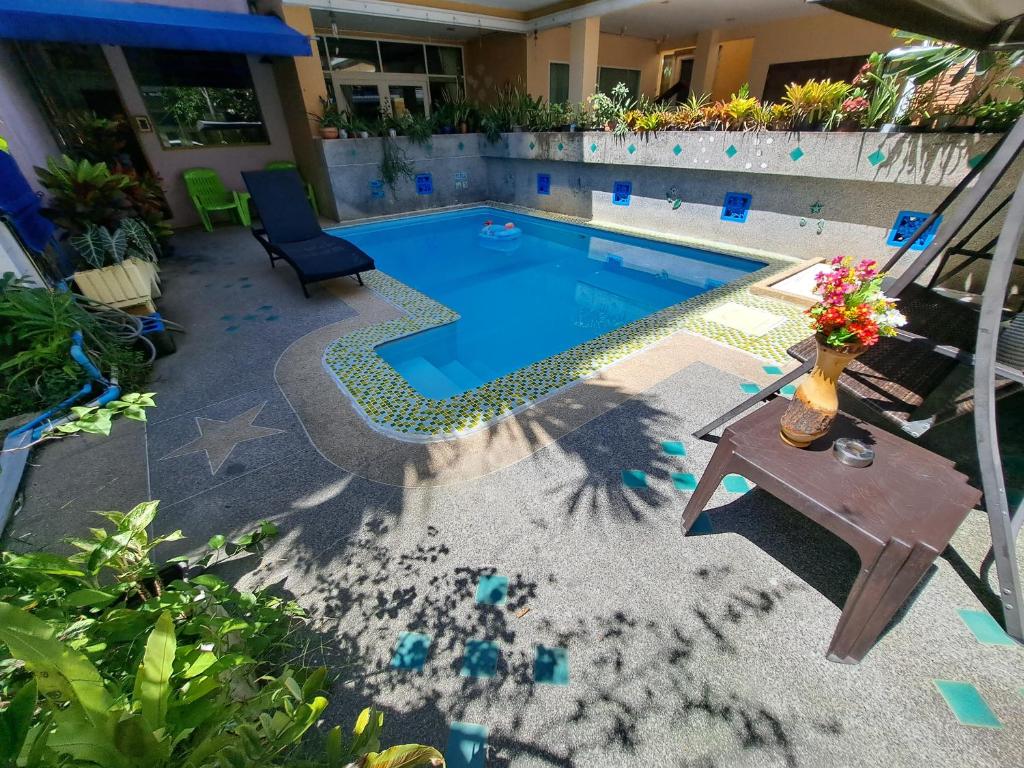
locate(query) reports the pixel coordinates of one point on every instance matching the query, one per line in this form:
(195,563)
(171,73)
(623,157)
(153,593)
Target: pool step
(438,381)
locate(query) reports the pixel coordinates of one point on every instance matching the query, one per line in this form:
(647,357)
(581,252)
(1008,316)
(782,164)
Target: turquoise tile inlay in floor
(985,628)
(481,659)
(467,746)
(772,370)
(750,388)
(634,478)
(876,157)
(492,590)
(701,526)
(735,484)
(551,666)
(411,650)
(967,704)
(789,389)
(684,481)
(673,448)
(796,154)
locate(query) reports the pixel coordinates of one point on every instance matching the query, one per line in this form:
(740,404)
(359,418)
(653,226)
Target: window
(198,99)
(403,57)
(609,77)
(558,82)
(366,76)
(346,54)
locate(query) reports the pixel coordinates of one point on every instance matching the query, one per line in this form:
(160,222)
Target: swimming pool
(519,301)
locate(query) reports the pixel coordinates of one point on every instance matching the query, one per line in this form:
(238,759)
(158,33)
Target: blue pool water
(557,286)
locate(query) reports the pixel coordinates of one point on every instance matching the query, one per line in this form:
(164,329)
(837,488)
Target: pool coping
(389,405)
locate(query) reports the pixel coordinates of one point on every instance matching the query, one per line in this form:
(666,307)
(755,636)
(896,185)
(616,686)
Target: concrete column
(584,41)
(705,62)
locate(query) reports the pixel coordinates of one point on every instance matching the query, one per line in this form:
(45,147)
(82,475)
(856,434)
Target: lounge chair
(209,195)
(288,165)
(289,230)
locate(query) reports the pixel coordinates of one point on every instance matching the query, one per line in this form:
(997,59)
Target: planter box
(120,285)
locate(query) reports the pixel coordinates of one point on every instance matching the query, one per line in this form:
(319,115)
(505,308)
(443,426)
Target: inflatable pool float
(492,231)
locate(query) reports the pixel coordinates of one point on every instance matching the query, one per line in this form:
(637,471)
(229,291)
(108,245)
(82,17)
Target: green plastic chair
(287,165)
(209,194)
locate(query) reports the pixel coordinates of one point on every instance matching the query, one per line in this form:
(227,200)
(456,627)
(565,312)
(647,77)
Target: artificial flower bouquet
(853,310)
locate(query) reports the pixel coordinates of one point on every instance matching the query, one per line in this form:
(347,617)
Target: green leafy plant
(100,247)
(395,164)
(330,116)
(107,658)
(816,103)
(36,325)
(84,194)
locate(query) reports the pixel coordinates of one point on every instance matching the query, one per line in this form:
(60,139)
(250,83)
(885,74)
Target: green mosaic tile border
(392,406)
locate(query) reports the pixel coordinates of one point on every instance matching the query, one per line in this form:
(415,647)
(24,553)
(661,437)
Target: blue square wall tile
(967,704)
(551,666)
(467,746)
(772,370)
(481,659)
(411,650)
(750,388)
(789,389)
(621,192)
(735,484)
(492,590)
(673,448)
(634,478)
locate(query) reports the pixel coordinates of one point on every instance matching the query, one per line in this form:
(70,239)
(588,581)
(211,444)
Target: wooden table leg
(879,591)
(717,468)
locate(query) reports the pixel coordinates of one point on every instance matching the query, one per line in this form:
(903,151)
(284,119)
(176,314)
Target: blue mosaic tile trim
(390,405)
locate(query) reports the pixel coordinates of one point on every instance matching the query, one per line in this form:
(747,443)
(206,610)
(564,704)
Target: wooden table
(898,514)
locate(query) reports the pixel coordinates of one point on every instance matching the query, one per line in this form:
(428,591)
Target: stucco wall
(821,36)
(228,161)
(493,61)
(614,51)
(457,169)
(733,67)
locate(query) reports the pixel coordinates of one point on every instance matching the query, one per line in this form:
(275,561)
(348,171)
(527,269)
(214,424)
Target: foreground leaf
(152,683)
(403,756)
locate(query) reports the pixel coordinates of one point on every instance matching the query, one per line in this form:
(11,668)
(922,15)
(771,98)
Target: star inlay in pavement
(217,439)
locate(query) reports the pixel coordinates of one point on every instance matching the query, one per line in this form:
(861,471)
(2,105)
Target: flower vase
(816,402)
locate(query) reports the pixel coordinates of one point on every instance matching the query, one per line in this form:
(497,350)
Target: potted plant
(851,316)
(116,266)
(816,104)
(333,121)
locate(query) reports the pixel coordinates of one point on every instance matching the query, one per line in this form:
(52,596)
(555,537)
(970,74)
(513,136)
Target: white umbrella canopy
(978,24)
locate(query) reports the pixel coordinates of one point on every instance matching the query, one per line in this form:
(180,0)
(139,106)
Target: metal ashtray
(853,453)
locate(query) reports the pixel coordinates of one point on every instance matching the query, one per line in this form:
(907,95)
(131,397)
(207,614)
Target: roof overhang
(149,26)
(977,24)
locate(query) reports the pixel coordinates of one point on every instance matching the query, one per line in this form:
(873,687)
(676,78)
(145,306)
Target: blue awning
(148,26)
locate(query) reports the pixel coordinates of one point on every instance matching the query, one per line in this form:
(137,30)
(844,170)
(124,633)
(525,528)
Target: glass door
(365,95)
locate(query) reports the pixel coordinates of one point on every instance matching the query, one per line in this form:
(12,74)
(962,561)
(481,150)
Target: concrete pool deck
(704,651)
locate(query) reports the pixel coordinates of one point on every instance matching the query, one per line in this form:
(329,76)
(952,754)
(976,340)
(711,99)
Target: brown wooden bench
(898,514)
